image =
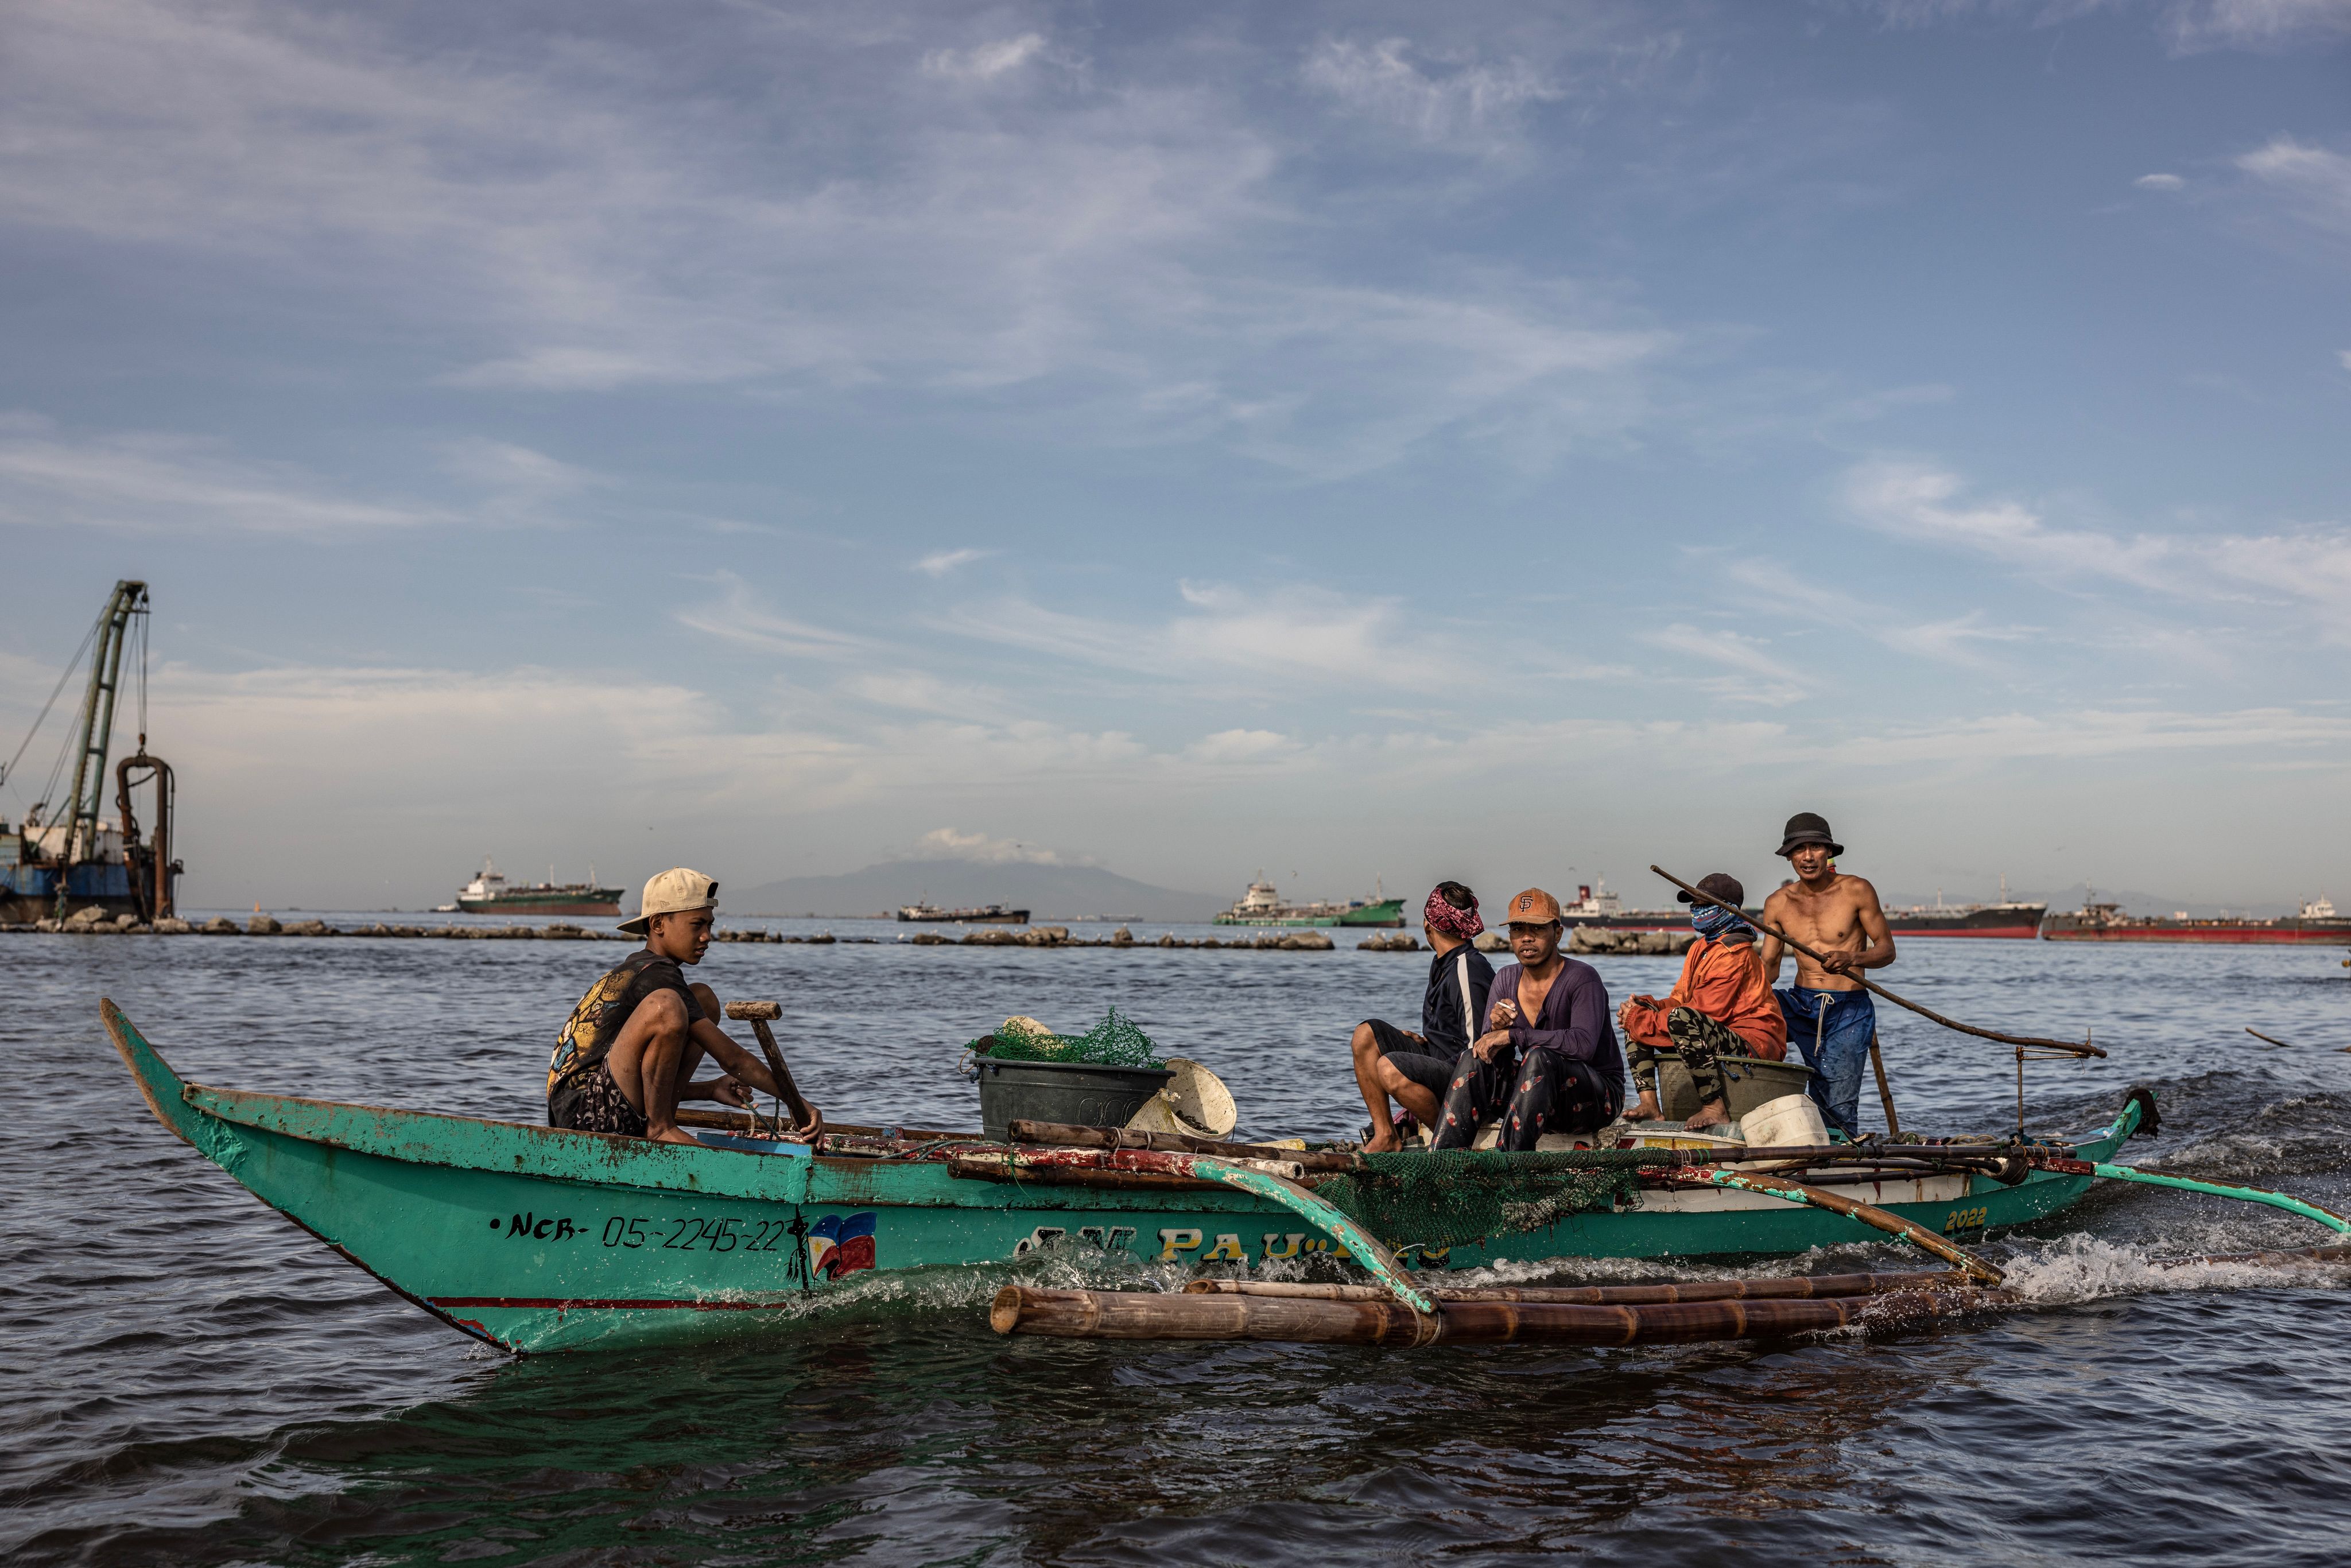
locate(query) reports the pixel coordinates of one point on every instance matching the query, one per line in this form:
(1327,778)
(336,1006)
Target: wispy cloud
(2095,733)
(2191,26)
(1917,501)
(1957,641)
(938,563)
(2314,182)
(2159,181)
(1457,100)
(1776,685)
(948,844)
(1243,746)
(2186,27)
(177,485)
(738,616)
(1124,253)
(1268,640)
(985,62)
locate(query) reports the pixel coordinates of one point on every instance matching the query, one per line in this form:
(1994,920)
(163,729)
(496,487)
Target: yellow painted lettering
(1171,1242)
(1289,1248)
(1227,1247)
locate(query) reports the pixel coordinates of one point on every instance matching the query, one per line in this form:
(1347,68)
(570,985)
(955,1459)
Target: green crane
(88,797)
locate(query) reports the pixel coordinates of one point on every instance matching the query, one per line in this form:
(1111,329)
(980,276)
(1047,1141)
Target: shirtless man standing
(1831,1018)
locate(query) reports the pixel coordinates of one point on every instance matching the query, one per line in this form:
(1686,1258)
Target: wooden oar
(2081,1048)
(805,1120)
(2272,1039)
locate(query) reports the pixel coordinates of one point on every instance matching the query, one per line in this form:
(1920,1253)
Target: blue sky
(1496,441)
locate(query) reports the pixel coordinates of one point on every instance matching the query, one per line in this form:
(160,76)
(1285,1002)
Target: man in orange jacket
(1721,1005)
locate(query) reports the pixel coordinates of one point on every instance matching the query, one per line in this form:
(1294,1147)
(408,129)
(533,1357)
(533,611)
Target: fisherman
(1548,1061)
(1721,1006)
(627,1055)
(1416,1068)
(1829,1015)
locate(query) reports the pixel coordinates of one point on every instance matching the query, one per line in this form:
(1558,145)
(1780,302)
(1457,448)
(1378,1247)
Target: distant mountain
(1047,891)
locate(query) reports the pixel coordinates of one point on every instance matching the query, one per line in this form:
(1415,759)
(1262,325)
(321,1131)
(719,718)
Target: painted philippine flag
(842,1244)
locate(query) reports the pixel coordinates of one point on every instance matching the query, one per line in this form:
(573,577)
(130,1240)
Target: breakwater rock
(95,921)
(1583,940)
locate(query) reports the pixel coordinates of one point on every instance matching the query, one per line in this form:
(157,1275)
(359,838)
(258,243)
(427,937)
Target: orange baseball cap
(1534,907)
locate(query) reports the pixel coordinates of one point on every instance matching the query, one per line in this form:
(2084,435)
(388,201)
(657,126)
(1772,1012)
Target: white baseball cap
(674,892)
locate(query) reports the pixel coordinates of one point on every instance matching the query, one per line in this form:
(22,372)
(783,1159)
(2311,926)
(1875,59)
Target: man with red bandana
(1417,1068)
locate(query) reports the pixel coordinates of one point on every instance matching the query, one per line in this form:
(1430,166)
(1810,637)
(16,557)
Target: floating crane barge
(64,860)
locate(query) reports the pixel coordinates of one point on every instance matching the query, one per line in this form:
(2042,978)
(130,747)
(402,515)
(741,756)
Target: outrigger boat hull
(538,1239)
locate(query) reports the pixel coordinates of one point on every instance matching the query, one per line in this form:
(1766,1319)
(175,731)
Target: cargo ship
(980,914)
(1262,906)
(1596,907)
(491,893)
(2096,921)
(2012,918)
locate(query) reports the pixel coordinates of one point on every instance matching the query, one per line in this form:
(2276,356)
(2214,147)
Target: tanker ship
(1599,908)
(491,893)
(978,914)
(1262,906)
(2096,921)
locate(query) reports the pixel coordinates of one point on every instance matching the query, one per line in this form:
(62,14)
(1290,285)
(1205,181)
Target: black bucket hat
(1718,884)
(1807,827)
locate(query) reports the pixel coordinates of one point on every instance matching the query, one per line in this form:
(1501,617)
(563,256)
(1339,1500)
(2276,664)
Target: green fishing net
(1113,1042)
(1451,1198)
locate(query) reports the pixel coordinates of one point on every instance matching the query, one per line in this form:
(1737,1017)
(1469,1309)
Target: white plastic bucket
(1792,1121)
(1194,1103)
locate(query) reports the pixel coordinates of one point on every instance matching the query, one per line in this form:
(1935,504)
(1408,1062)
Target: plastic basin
(1074,1092)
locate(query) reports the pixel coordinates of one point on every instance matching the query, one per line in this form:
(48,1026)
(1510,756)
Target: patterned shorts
(597,1105)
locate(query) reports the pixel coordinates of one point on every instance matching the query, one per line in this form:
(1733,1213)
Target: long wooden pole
(1878,1218)
(1885,1094)
(2078,1048)
(1151,1314)
(1320,1161)
(1799,1287)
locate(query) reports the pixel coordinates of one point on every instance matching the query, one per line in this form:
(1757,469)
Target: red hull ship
(2009,920)
(2317,924)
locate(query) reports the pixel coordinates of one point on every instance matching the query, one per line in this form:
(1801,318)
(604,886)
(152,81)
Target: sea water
(188,1378)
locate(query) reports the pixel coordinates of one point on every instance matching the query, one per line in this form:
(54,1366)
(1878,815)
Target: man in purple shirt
(1548,1061)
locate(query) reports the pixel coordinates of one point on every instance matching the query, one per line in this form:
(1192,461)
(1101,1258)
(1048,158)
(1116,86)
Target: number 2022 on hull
(537,1238)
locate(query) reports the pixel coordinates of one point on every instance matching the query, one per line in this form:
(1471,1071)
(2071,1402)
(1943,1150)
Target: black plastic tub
(1072,1092)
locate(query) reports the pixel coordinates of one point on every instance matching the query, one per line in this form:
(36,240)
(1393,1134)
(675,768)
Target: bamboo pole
(2078,1049)
(1071,1135)
(1885,1092)
(2262,1194)
(980,1168)
(1803,1287)
(1314,1161)
(1836,1202)
(1142,1314)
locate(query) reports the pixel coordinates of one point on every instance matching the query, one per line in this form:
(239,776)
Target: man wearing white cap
(628,1054)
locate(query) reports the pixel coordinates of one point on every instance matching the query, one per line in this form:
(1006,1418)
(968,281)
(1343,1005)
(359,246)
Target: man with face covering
(1417,1068)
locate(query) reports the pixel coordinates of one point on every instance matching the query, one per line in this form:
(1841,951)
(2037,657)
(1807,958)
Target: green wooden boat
(536,1238)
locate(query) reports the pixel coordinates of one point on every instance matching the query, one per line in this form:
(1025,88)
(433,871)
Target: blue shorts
(1832,1029)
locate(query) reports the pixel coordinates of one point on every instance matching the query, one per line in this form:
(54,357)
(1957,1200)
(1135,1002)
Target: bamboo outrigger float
(536,1238)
